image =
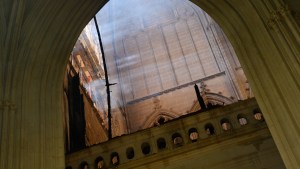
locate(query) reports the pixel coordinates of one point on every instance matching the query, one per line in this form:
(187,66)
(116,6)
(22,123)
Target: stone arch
(36,39)
(35,42)
(213,98)
(150,121)
(270,19)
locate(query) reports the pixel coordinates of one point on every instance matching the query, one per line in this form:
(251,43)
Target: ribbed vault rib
(38,39)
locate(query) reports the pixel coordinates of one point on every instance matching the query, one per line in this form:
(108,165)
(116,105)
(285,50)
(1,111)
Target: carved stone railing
(191,132)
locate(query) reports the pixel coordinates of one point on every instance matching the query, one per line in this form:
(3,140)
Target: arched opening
(84,165)
(130,153)
(99,163)
(273,96)
(161,120)
(258,115)
(242,119)
(161,143)
(114,159)
(226,125)
(209,129)
(146,149)
(177,139)
(155,61)
(193,133)
(156,117)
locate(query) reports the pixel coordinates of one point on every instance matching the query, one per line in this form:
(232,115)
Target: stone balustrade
(194,131)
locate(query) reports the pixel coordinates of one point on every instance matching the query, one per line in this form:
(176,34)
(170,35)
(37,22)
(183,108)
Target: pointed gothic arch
(36,40)
(156,115)
(214,99)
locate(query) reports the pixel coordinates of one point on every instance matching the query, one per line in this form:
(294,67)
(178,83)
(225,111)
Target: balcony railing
(194,131)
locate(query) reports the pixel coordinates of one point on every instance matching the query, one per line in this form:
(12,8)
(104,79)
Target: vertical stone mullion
(11,140)
(9,135)
(224,63)
(4,135)
(17,141)
(290,39)
(285,33)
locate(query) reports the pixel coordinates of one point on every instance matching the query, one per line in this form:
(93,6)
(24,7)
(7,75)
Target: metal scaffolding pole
(107,84)
(200,99)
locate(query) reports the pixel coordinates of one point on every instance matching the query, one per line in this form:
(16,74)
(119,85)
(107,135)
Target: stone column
(36,38)
(266,40)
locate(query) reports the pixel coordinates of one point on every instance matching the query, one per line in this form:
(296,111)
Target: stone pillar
(36,39)
(266,40)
